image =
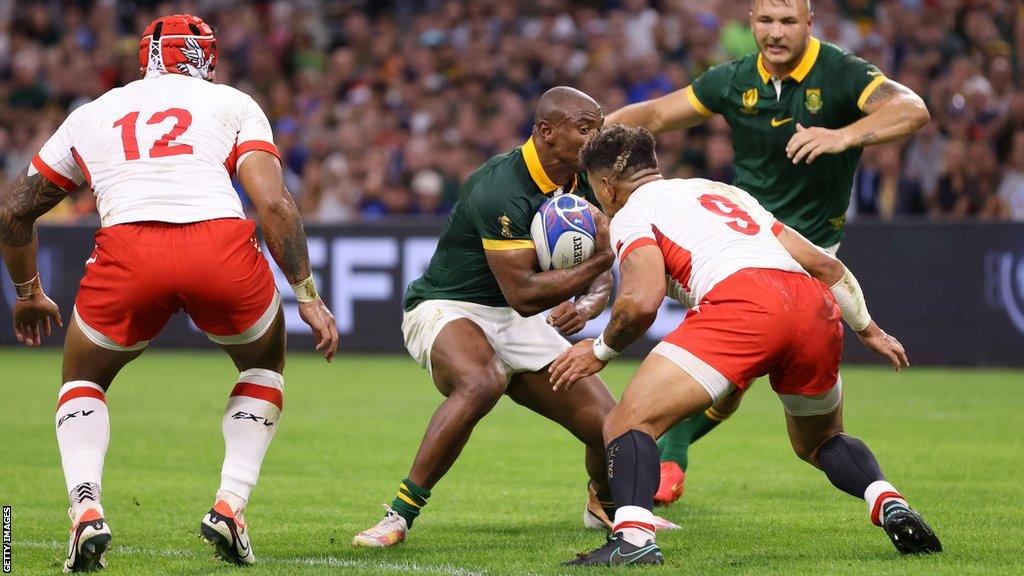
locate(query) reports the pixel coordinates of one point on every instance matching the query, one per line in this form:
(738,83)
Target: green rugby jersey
(495,209)
(828,88)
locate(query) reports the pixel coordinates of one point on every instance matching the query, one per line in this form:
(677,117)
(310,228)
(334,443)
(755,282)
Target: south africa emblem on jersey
(506,223)
(812,99)
(749,101)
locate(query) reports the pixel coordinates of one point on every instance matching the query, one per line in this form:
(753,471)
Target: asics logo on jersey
(240,415)
(777,123)
(91,260)
(71,415)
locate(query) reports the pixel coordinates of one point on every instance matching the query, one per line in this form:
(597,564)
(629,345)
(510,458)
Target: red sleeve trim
(645,241)
(53,176)
(254,145)
(82,166)
(778,227)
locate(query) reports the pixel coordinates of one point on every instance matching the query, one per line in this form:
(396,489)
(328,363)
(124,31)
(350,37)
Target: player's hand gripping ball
(563,232)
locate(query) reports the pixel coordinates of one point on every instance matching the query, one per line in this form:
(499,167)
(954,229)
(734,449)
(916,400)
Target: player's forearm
(641,114)
(544,290)
(596,298)
(28,198)
(902,115)
(629,320)
(851,301)
(286,239)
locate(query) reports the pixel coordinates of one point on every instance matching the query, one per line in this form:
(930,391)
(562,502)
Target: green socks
(675,444)
(410,499)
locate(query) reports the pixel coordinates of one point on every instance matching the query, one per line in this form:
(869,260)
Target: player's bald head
(565,103)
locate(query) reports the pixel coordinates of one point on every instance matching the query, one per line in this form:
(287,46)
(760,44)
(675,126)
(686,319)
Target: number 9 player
(159,154)
(760,303)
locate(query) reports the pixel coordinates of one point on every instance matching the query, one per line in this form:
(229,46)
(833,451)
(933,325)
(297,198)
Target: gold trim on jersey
(696,103)
(802,69)
(490,244)
(540,177)
(869,89)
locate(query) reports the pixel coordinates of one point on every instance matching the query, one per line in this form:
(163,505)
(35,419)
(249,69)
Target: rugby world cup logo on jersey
(1004,285)
(749,101)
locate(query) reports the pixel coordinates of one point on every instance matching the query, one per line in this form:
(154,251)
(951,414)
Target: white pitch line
(328,561)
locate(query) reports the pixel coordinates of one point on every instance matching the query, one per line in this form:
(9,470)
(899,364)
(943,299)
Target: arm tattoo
(624,329)
(28,198)
(867,139)
(286,241)
(883,92)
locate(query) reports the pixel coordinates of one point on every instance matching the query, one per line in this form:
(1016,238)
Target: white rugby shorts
(522,344)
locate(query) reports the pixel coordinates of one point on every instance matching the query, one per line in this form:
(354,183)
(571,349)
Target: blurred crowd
(381,108)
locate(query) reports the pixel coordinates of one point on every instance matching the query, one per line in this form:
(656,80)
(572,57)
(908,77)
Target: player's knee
(479,389)
(620,420)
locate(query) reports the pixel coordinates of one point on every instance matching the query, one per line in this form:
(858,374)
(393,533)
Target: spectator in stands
(440,86)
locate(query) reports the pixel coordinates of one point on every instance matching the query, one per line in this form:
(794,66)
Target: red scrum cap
(178,44)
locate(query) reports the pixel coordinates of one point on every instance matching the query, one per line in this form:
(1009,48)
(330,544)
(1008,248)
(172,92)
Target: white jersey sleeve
(57,160)
(254,133)
(631,229)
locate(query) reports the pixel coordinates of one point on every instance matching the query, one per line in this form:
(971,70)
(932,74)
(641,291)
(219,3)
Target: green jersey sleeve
(708,92)
(502,222)
(858,78)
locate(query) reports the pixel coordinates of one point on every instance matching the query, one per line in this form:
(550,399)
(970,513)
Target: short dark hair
(621,150)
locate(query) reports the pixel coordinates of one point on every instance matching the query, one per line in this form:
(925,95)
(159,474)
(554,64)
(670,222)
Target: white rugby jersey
(160,149)
(706,231)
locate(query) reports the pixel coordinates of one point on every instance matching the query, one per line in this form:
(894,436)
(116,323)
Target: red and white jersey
(706,231)
(160,149)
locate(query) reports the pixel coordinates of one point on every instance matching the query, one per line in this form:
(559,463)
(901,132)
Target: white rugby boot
(227,533)
(390,531)
(90,539)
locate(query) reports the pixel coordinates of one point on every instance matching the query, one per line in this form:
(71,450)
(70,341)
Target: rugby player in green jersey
(474,319)
(800,111)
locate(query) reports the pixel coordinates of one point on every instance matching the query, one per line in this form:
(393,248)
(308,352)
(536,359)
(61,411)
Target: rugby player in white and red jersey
(760,303)
(159,154)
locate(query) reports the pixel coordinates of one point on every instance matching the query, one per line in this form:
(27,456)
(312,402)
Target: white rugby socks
(83,433)
(250,420)
(878,495)
(636,524)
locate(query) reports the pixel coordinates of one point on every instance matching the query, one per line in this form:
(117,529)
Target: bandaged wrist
(851,302)
(603,351)
(26,290)
(305,291)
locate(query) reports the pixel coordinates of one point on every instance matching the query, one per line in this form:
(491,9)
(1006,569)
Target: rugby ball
(563,232)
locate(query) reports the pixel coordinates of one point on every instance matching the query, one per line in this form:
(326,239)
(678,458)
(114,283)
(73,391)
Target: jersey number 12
(161,147)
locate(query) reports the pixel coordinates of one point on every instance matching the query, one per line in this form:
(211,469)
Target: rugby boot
(616,551)
(90,539)
(227,533)
(670,487)
(908,531)
(390,531)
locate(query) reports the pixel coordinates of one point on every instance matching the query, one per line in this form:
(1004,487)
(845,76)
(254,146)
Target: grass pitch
(950,439)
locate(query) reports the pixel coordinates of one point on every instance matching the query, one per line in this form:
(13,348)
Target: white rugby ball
(563,232)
